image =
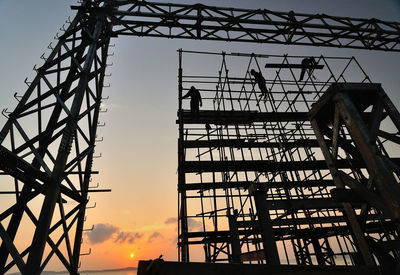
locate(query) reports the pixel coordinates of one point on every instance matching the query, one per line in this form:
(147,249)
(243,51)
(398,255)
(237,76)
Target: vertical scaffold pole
(182,219)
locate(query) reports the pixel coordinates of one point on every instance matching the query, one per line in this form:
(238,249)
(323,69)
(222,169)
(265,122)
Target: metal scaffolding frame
(47,144)
(253,182)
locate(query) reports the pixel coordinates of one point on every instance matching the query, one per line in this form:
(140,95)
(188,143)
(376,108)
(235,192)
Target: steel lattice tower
(47,144)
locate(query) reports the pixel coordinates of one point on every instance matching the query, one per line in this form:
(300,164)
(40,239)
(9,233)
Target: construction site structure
(47,145)
(301,172)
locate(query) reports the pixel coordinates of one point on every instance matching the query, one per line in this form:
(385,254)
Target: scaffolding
(254,185)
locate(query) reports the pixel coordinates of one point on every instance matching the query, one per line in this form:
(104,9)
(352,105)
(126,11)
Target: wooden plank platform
(293,66)
(248,143)
(246,184)
(244,117)
(265,166)
(240,117)
(284,232)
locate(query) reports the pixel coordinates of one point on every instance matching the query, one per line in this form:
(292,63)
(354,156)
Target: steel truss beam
(142,18)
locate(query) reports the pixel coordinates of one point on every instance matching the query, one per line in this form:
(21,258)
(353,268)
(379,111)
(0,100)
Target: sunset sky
(139,151)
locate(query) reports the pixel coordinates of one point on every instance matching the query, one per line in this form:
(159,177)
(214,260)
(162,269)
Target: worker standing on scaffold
(260,80)
(195,100)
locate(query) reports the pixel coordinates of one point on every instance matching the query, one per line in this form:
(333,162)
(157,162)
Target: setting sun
(132,255)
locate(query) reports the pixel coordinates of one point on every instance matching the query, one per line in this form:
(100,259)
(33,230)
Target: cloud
(171,220)
(101,233)
(154,236)
(195,224)
(129,237)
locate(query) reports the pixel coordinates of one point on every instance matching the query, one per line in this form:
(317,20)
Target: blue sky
(140,133)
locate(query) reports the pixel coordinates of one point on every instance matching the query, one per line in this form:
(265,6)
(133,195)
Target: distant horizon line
(112,269)
(89,270)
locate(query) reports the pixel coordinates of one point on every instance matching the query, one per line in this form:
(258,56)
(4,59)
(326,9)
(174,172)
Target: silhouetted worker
(195,100)
(258,77)
(307,64)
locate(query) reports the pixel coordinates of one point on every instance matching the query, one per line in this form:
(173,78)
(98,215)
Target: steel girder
(142,18)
